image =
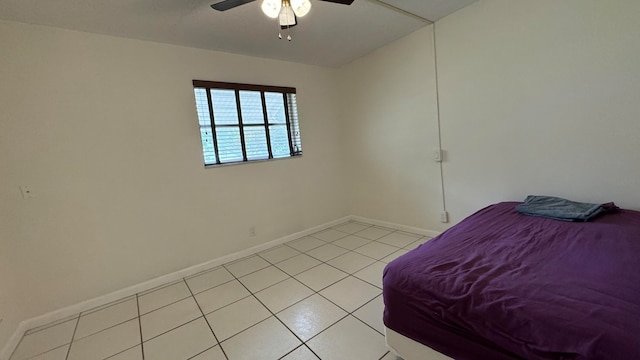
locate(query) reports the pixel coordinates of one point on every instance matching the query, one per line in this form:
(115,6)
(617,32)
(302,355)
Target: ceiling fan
(286,11)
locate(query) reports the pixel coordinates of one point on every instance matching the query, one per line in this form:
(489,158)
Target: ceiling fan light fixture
(301,7)
(271,8)
(287,16)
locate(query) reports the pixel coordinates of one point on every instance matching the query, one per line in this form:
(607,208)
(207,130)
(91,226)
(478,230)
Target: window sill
(250,162)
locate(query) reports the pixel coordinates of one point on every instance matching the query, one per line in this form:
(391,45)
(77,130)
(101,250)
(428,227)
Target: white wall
(536,97)
(389,103)
(540,97)
(105,133)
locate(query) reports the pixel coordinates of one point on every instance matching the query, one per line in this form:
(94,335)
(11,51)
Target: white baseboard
(406,228)
(86,305)
(13,341)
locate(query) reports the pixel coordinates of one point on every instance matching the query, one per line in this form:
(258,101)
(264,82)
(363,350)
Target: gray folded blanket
(562,209)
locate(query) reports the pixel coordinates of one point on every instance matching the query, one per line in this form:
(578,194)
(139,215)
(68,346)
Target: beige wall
(105,133)
(392,130)
(540,97)
(536,97)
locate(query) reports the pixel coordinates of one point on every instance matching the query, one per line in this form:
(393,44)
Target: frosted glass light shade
(287,16)
(301,7)
(271,8)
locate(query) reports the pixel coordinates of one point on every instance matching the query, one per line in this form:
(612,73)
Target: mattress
(502,285)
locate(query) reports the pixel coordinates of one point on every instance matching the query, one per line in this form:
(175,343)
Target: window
(242,122)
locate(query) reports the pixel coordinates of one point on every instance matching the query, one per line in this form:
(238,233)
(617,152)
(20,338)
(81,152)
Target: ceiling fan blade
(344,2)
(229,4)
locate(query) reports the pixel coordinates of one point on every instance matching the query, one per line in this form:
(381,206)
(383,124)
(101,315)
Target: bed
(502,285)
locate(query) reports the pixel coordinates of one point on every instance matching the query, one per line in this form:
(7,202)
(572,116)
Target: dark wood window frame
(294,150)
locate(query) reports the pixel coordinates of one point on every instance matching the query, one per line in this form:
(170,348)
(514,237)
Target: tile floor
(315,297)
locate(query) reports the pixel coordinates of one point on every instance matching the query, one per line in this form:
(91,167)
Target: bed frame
(409,349)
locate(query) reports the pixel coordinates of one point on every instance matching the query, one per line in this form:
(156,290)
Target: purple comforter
(503,285)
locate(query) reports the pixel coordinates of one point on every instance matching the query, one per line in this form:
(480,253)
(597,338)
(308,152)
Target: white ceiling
(330,35)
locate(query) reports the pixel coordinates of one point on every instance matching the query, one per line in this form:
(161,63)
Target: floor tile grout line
(314,292)
(255,271)
(327,229)
(225,306)
(303,345)
(348,251)
(253,294)
(283,260)
(119,301)
(164,306)
(44,352)
(327,328)
(362,321)
(336,322)
(247,328)
(78,316)
(198,274)
(275,317)
(104,329)
(326,263)
(296,303)
(120,352)
(106,306)
(315,247)
(330,241)
(348,312)
(343,309)
(370,241)
(376,239)
(329,300)
(226,282)
(272,285)
(204,351)
(244,258)
(294,349)
(173,328)
(279,262)
(327,260)
(49,325)
(354,234)
(140,325)
(213,287)
(313,267)
(160,287)
(294,278)
(250,294)
(207,320)
(72,337)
